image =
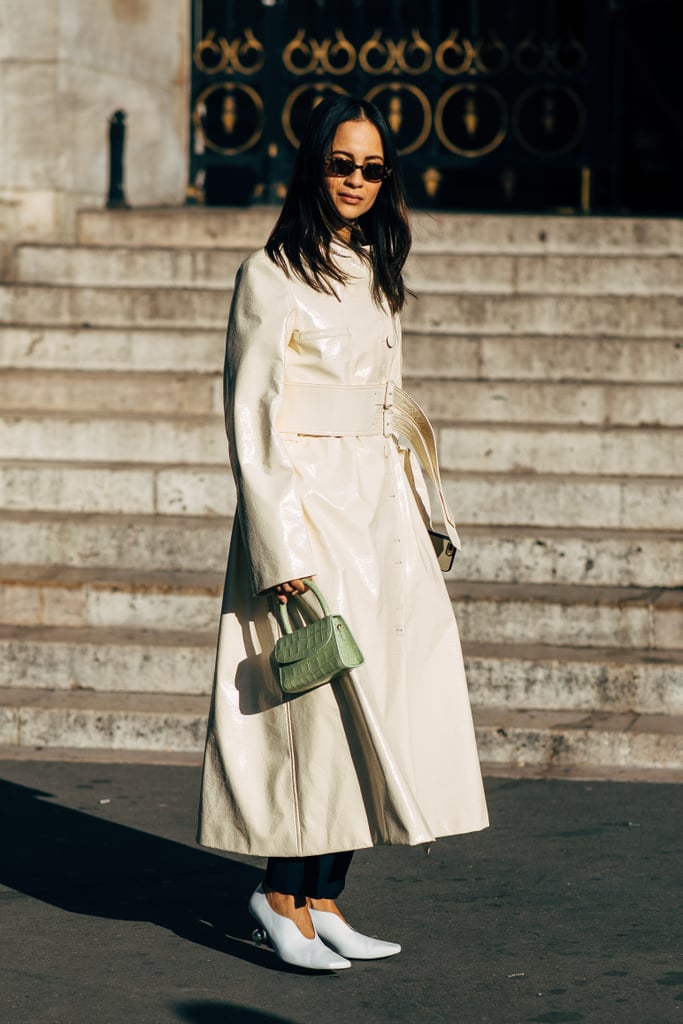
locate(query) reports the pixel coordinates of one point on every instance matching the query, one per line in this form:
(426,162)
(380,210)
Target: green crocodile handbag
(308,657)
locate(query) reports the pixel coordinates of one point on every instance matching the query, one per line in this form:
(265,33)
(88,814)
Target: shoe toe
(337,962)
(347,941)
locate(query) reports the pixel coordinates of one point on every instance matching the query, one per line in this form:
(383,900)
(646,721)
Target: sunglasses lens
(340,167)
(373,172)
(343,167)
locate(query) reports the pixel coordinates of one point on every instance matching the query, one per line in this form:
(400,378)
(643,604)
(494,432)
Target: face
(353,195)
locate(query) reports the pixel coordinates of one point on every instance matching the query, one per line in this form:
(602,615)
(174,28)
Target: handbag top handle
(284,614)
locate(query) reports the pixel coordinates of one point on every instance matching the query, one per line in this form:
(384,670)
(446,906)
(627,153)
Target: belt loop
(389,394)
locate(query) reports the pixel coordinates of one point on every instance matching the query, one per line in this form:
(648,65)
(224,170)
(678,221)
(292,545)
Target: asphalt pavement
(568,909)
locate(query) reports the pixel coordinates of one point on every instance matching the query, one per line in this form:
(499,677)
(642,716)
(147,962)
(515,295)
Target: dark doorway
(510,105)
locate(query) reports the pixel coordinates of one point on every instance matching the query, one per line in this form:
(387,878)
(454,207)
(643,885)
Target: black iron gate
(495,105)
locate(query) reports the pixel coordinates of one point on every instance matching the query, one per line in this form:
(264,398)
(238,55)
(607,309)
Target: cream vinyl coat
(387,753)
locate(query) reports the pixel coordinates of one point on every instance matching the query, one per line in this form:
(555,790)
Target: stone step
(107,659)
(512,448)
(61,305)
(58,596)
(627,617)
(505,675)
(127,488)
(120,349)
(512,357)
(575,502)
(480,499)
(194,227)
(199,544)
(114,438)
(573,679)
(549,740)
(655,315)
(570,556)
(558,275)
(557,402)
(118,721)
(157,722)
(135,267)
(469,447)
(72,391)
(433,232)
(146,542)
(589,616)
(457,272)
(579,404)
(444,356)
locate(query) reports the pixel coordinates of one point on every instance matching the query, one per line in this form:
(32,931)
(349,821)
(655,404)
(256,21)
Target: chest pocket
(326,349)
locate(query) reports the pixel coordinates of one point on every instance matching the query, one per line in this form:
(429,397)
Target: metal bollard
(117,137)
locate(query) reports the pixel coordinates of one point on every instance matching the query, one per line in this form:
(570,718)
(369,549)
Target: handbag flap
(297,645)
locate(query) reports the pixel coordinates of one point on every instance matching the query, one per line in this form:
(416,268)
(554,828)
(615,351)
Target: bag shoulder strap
(409,419)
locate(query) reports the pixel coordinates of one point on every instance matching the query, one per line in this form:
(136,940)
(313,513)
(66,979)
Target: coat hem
(313,851)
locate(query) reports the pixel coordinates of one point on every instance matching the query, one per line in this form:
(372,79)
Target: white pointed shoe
(347,941)
(288,942)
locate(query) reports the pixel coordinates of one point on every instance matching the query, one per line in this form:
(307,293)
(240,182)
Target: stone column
(65,67)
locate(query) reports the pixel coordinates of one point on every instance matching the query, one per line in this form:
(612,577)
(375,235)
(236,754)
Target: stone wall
(65,67)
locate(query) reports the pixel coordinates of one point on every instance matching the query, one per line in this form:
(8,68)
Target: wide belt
(365,410)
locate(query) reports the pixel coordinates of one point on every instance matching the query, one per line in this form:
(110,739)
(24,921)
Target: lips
(347,197)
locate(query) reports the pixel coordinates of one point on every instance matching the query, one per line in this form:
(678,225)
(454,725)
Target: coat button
(389,341)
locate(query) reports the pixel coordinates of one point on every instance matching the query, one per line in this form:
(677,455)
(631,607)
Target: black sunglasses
(343,167)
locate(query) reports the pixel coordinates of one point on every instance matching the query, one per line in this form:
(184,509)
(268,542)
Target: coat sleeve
(412,467)
(268,506)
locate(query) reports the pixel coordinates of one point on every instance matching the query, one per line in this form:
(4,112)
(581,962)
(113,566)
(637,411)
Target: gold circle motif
(495,44)
(397,88)
(445,99)
(331,50)
(373,45)
(230,55)
(209,45)
(464,51)
(298,45)
(580,121)
(530,45)
(570,45)
(418,45)
(319,56)
(316,87)
(240,48)
(230,88)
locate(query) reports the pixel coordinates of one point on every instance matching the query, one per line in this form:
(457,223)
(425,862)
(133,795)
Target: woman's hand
(283,591)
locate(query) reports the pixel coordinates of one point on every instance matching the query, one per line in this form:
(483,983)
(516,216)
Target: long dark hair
(309,221)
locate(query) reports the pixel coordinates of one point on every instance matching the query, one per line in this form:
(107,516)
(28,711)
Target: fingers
(283,591)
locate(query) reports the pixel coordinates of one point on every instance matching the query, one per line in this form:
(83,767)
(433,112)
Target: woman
(386,753)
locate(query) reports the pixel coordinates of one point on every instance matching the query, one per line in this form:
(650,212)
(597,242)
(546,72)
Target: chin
(350,212)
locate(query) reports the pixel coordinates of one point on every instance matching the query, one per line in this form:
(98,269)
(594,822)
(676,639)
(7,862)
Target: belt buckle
(387,407)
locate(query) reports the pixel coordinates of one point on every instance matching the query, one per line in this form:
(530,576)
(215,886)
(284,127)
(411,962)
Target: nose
(355,178)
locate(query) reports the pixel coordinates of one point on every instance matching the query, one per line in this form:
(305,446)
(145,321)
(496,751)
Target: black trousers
(321,878)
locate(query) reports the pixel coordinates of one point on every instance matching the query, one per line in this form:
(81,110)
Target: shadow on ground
(85,865)
(221,1013)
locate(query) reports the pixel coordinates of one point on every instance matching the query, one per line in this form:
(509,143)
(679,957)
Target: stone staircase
(549,353)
